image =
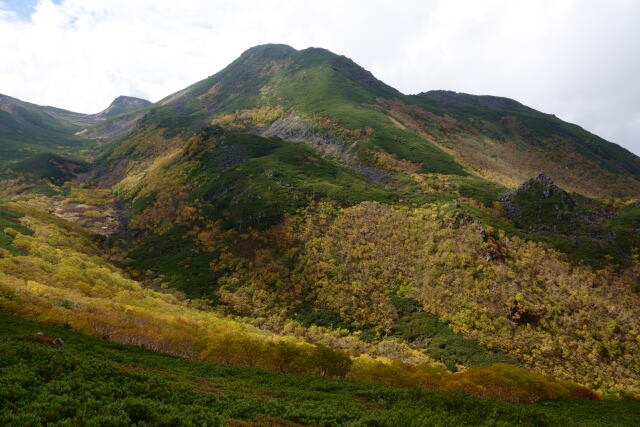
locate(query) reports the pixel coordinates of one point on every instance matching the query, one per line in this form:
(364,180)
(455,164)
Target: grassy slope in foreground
(98,382)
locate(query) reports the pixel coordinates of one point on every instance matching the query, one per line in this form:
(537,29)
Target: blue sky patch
(22,8)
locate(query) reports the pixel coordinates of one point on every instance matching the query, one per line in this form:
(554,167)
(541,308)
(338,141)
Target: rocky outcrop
(540,205)
(294,128)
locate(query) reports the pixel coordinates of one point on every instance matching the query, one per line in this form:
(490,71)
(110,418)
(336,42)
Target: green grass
(93,382)
(326,85)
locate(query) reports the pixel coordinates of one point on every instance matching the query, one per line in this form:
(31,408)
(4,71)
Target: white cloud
(577,59)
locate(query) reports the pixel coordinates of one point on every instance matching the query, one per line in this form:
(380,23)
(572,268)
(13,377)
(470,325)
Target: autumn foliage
(60,279)
(567,321)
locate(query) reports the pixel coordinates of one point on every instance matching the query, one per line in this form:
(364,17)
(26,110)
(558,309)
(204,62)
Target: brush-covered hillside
(90,381)
(292,213)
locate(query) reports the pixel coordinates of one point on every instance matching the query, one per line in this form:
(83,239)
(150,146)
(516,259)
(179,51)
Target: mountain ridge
(448,132)
(494,137)
(120,105)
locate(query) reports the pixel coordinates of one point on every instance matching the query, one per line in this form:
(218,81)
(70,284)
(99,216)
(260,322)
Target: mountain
(312,95)
(40,145)
(27,129)
(294,213)
(323,127)
(120,105)
(328,101)
(505,141)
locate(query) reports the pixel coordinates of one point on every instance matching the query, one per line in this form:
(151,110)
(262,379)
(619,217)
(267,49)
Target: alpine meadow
(291,241)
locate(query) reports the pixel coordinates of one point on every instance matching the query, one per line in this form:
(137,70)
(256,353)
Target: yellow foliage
(583,325)
(523,298)
(256,117)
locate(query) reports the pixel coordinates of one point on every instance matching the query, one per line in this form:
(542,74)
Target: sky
(578,59)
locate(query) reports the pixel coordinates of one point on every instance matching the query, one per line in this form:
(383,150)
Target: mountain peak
(280,74)
(124,99)
(268,51)
(129,101)
(121,105)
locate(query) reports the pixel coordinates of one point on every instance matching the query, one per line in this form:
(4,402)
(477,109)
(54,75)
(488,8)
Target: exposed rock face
(540,205)
(293,128)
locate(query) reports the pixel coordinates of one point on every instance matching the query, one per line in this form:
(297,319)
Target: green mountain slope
(50,167)
(506,141)
(28,129)
(39,144)
(384,144)
(241,181)
(329,101)
(56,272)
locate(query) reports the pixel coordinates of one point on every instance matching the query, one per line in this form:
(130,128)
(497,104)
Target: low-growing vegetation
(90,381)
